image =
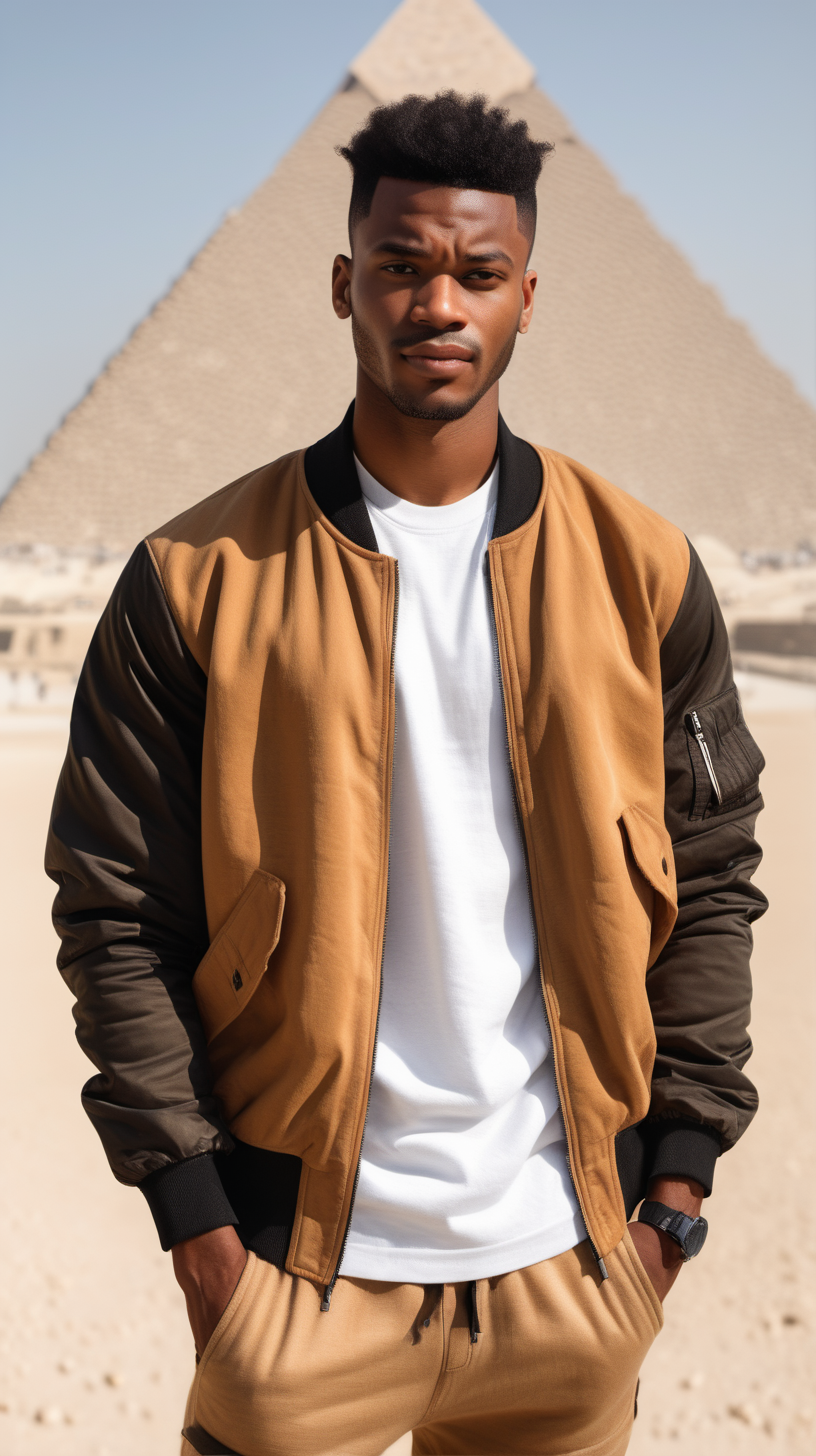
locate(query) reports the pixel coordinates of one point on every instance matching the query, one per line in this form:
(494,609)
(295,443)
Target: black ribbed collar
(332,478)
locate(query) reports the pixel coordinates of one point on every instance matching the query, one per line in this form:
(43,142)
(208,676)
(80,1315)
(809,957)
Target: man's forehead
(415,208)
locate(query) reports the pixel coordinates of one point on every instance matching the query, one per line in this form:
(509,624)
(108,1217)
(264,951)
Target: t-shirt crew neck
(430,519)
(463,1170)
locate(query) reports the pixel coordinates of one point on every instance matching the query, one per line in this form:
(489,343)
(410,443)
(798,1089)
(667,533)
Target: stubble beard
(369,360)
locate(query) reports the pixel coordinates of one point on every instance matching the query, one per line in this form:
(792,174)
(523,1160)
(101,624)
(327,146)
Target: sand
(96,1355)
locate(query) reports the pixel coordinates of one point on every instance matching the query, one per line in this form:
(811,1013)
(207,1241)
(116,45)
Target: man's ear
(528,284)
(341,286)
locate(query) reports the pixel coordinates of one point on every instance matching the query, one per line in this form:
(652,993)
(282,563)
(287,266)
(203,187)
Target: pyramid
(632,365)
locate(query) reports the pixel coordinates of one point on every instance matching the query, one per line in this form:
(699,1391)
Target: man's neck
(429,462)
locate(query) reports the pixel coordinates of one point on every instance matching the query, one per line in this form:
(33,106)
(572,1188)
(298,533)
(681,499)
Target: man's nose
(439,303)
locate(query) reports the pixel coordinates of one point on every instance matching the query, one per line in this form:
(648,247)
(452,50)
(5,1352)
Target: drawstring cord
(473,1288)
(475,1327)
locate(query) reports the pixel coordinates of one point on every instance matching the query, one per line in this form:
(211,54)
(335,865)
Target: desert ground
(96,1354)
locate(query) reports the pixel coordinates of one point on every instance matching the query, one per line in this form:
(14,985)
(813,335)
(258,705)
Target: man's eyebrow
(412,250)
(404,250)
(494,256)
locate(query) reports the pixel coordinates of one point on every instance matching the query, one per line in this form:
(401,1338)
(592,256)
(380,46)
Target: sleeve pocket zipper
(697,732)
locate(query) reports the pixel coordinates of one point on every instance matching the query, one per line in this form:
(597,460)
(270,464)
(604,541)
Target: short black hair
(450,141)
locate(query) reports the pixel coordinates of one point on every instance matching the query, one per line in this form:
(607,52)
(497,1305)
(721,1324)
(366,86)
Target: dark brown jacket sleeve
(124,849)
(700,987)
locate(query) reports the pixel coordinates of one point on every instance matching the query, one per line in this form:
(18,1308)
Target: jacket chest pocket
(237,959)
(650,848)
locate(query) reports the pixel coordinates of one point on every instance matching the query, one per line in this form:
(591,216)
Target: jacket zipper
(604,1272)
(697,732)
(325,1303)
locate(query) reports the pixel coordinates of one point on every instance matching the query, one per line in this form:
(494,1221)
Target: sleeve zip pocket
(725,760)
(695,728)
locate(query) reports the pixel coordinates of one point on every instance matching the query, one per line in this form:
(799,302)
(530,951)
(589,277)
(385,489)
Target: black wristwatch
(689,1233)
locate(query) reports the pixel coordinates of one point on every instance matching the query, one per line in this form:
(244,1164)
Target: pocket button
(663,865)
(238,981)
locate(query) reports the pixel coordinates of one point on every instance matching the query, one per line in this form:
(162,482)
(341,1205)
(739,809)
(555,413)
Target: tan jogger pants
(552,1372)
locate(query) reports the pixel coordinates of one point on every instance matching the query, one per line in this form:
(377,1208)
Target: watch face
(696,1237)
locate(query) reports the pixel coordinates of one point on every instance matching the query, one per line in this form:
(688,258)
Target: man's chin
(432,406)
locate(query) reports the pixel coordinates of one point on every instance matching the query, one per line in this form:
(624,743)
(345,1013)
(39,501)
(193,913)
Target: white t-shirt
(463,1169)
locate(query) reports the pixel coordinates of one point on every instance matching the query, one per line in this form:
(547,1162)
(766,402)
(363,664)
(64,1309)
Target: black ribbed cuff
(187,1199)
(684,1150)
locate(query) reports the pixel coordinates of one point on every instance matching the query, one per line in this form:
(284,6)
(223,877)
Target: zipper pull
(697,732)
(602,1269)
(325,1303)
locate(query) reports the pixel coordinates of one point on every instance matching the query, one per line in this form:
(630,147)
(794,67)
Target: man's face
(437,291)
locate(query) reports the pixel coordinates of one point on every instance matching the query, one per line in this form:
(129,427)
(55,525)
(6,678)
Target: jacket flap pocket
(232,969)
(725,760)
(651,850)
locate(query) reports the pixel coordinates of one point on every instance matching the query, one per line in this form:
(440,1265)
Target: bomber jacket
(220,844)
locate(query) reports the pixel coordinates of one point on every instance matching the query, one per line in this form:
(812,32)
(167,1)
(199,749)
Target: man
(390,765)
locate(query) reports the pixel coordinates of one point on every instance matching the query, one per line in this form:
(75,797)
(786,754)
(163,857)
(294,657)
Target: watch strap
(672,1222)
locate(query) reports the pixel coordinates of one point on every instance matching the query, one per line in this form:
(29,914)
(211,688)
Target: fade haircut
(450,141)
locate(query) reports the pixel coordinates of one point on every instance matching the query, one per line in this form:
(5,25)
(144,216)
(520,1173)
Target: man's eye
(482,275)
(401,268)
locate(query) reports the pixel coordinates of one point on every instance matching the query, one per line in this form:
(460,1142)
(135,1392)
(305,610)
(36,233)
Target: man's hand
(208,1269)
(661,1256)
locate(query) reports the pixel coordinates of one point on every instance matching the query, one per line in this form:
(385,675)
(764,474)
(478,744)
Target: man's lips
(438,360)
(438,351)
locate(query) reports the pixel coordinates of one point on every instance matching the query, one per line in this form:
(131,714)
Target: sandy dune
(96,1355)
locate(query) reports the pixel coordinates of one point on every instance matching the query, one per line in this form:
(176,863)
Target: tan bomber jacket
(220,842)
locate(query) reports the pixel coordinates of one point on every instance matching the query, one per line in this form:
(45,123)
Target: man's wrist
(199,1259)
(684,1194)
(680,1239)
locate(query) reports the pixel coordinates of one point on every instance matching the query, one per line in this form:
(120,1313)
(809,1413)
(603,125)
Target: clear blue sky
(128,128)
